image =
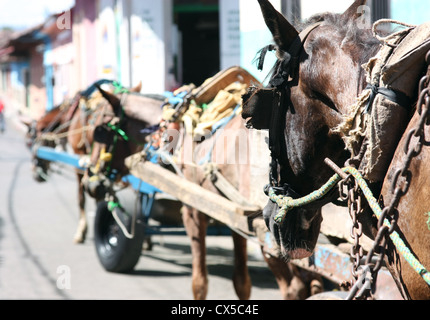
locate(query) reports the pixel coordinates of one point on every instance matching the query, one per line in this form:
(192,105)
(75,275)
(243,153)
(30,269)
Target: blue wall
(411,11)
(17,75)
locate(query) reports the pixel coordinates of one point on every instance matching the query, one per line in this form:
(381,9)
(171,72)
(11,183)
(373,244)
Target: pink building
(59,56)
(84,19)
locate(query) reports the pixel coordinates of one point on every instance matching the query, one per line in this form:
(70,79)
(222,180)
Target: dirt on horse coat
(318,91)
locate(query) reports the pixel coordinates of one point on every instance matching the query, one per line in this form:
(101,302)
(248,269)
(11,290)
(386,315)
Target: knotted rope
(286,204)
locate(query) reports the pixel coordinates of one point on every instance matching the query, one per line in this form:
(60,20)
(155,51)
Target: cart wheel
(115,251)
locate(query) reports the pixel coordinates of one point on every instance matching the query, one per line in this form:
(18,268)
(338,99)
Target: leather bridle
(285,76)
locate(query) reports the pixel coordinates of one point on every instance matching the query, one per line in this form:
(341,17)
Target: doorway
(199,42)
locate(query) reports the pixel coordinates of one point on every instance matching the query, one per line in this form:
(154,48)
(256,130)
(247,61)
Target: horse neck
(49,121)
(143,108)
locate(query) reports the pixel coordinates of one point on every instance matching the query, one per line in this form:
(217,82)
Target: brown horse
(227,150)
(413,218)
(317,78)
(124,131)
(83,143)
(75,122)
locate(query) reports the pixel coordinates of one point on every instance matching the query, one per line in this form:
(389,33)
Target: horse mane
(360,41)
(152,96)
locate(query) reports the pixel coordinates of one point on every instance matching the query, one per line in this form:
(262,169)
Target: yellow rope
(68,133)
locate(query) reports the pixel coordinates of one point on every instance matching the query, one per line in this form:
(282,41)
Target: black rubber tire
(115,251)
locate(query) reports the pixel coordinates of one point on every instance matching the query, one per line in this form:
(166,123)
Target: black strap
(88,92)
(275,128)
(263,53)
(283,72)
(393,95)
(282,68)
(286,72)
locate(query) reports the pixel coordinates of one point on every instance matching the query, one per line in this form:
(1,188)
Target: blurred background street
(37,224)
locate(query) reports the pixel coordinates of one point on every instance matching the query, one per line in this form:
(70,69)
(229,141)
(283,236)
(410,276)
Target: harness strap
(297,46)
(263,53)
(117,129)
(393,95)
(73,107)
(290,60)
(286,73)
(226,188)
(217,126)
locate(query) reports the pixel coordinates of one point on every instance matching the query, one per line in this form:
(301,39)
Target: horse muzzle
(296,236)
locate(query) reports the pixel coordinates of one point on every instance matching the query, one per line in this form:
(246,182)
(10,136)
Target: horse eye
(325,99)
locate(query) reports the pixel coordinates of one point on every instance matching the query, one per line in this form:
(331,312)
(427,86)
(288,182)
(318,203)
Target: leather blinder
(258,104)
(103,135)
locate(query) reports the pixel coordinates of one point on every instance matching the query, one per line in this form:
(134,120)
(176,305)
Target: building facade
(161,44)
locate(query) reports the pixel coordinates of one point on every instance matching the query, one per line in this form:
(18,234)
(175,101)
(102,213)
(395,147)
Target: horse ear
(354,12)
(27,121)
(283,32)
(138,88)
(111,98)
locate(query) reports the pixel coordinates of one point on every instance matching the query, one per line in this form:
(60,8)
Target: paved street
(38,259)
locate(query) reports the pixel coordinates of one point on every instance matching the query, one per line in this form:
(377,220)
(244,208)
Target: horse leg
(282,273)
(81,232)
(241,278)
(293,284)
(196,224)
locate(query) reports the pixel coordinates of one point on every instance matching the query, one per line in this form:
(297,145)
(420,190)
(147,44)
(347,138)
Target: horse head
(39,135)
(316,77)
(122,132)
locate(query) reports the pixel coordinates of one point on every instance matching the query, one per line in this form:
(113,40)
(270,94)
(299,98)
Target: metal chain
(365,282)
(355,207)
(357,228)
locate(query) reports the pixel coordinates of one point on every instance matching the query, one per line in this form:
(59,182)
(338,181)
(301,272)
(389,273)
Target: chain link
(364,285)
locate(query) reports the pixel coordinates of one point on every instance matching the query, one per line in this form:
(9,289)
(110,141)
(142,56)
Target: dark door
(199,29)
